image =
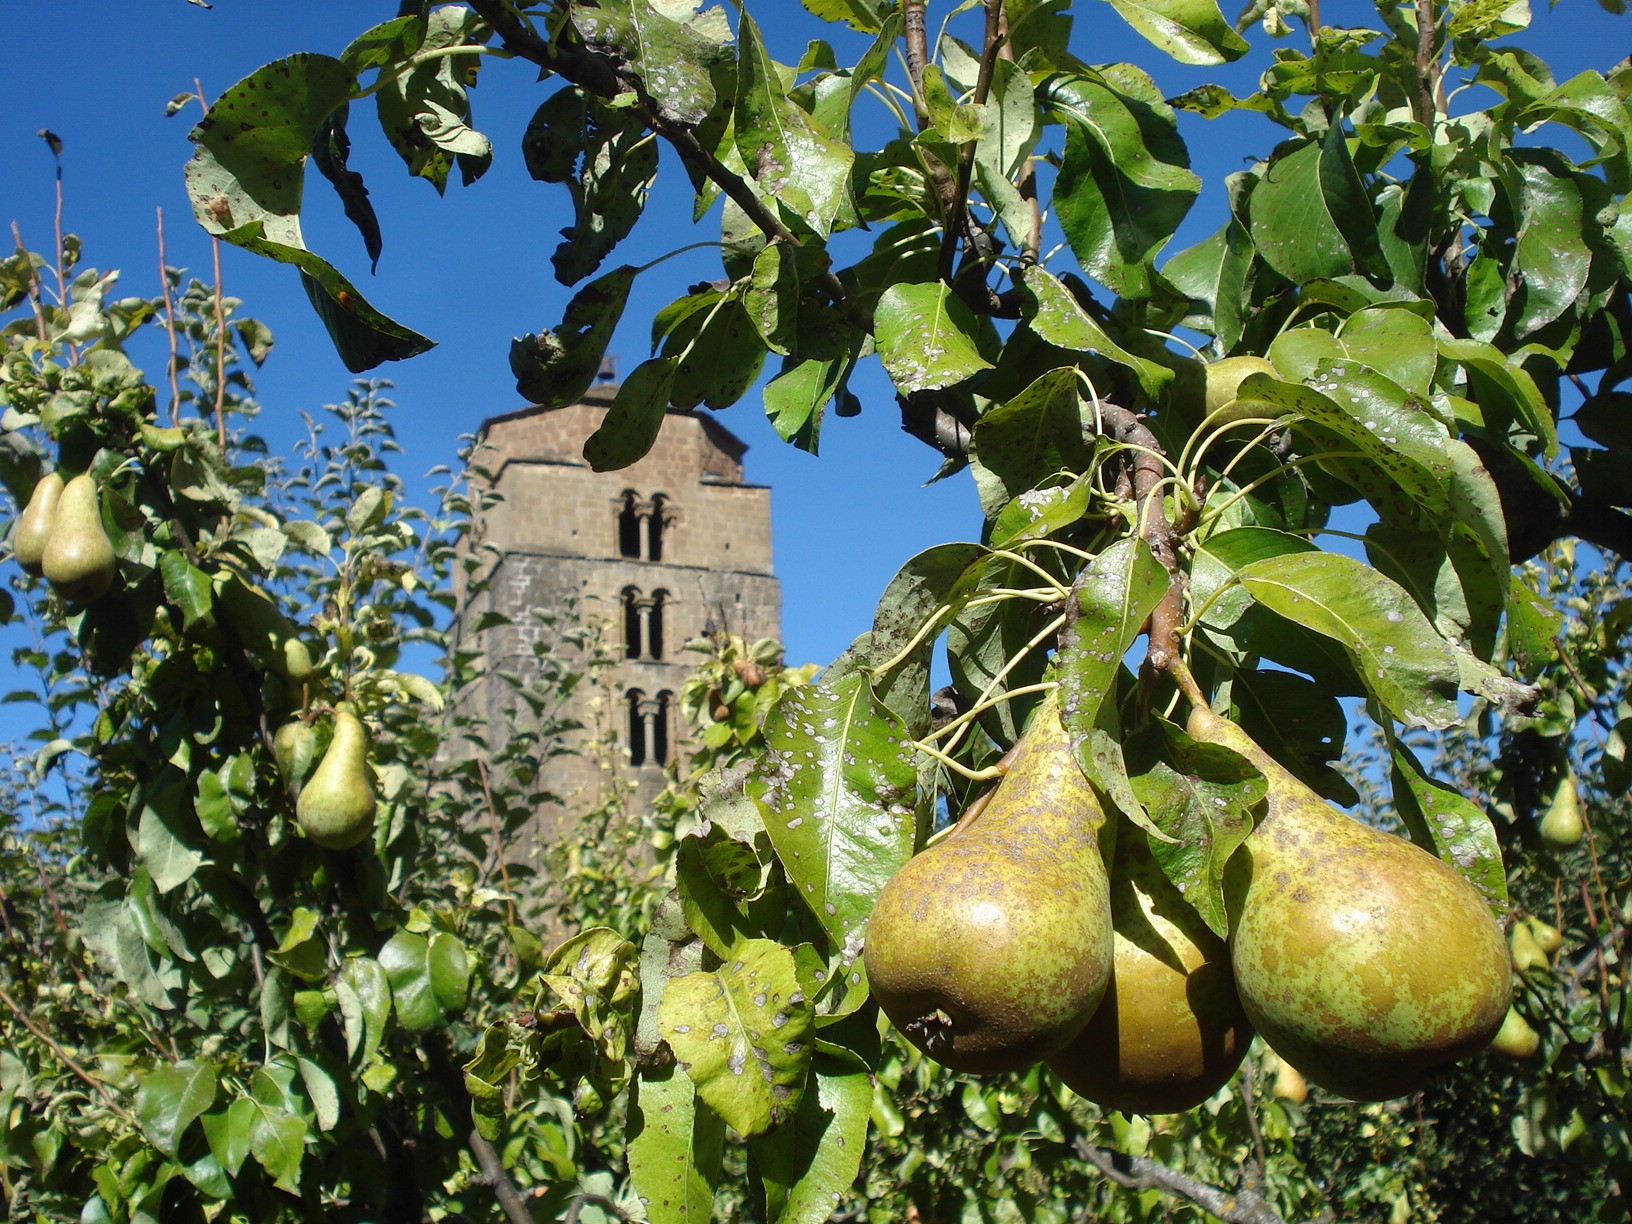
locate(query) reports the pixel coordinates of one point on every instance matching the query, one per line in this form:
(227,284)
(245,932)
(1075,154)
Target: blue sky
(471,269)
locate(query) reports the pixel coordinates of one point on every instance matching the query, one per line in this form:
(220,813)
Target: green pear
(294,747)
(1562,827)
(1170,1031)
(992,947)
(1515,1039)
(34,523)
(1221,405)
(1361,958)
(79,560)
(336,806)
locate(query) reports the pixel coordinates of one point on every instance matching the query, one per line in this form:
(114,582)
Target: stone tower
(674,547)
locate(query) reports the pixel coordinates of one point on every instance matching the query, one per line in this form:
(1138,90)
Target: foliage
(1441,289)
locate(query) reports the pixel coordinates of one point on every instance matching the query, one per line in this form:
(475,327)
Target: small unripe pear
(1223,380)
(1562,827)
(1515,1039)
(336,806)
(79,560)
(1548,938)
(1526,953)
(34,524)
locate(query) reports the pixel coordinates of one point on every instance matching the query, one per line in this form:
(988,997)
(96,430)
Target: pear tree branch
(1147,475)
(1140,1173)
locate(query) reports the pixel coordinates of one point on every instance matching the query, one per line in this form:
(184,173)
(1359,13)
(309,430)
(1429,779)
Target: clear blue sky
(471,269)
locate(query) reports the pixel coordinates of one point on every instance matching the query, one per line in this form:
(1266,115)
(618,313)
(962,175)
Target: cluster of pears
(60,535)
(1361,959)
(334,806)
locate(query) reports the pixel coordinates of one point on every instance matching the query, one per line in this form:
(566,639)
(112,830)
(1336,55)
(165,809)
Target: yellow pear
(1515,1039)
(336,806)
(34,523)
(991,948)
(1363,960)
(1289,1084)
(1562,827)
(1525,951)
(1170,1031)
(79,560)
(1548,938)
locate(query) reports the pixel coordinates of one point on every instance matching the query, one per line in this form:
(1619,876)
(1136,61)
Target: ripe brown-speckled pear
(1361,958)
(1171,1030)
(991,948)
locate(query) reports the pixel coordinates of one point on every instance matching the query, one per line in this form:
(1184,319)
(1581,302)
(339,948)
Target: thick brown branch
(1427,70)
(1145,462)
(912,21)
(1143,1173)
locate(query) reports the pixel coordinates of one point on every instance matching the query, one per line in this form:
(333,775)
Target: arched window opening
(656,523)
(629,525)
(660,728)
(631,622)
(654,623)
(637,727)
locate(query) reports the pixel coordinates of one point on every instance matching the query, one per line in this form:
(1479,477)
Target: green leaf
(1533,626)
(632,423)
(1402,660)
(228,1133)
(1191,31)
(935,582)
(1200,797)
(170,1097)
(1054,313)
(1112,598)
(429,977)
(165,837)
(926,337)
(865,15)
(718,351)
(246,179)
(787,154)
(1030,439)
(1299,723)
(675,61)
(809,1166)
(1213,592)
(1309,216)
(609,157)
(838,785)
(1504,390)
(1551,258)
(555,368)
(303,951)
(186,586)
(1455,828)
(674,1149)
(588,990)
(425,112)
(1125,182)
(742,1033)
(1214,275)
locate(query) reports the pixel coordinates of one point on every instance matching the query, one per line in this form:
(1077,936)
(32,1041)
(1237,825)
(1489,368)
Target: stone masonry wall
(564,531)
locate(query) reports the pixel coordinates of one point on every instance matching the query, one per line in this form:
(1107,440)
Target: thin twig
(35,294)
(220,351)
(169,324)
(1148,475)
(957,213)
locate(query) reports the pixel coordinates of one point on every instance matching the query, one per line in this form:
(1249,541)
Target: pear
(34,523)
(1548,938)
(992,947)
(336,806)
(1361,958)
(1561,828)
(79,560)
(1515,1039)
(1525,951)
(1289,1084)
(1170,1031)
(1224,377)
